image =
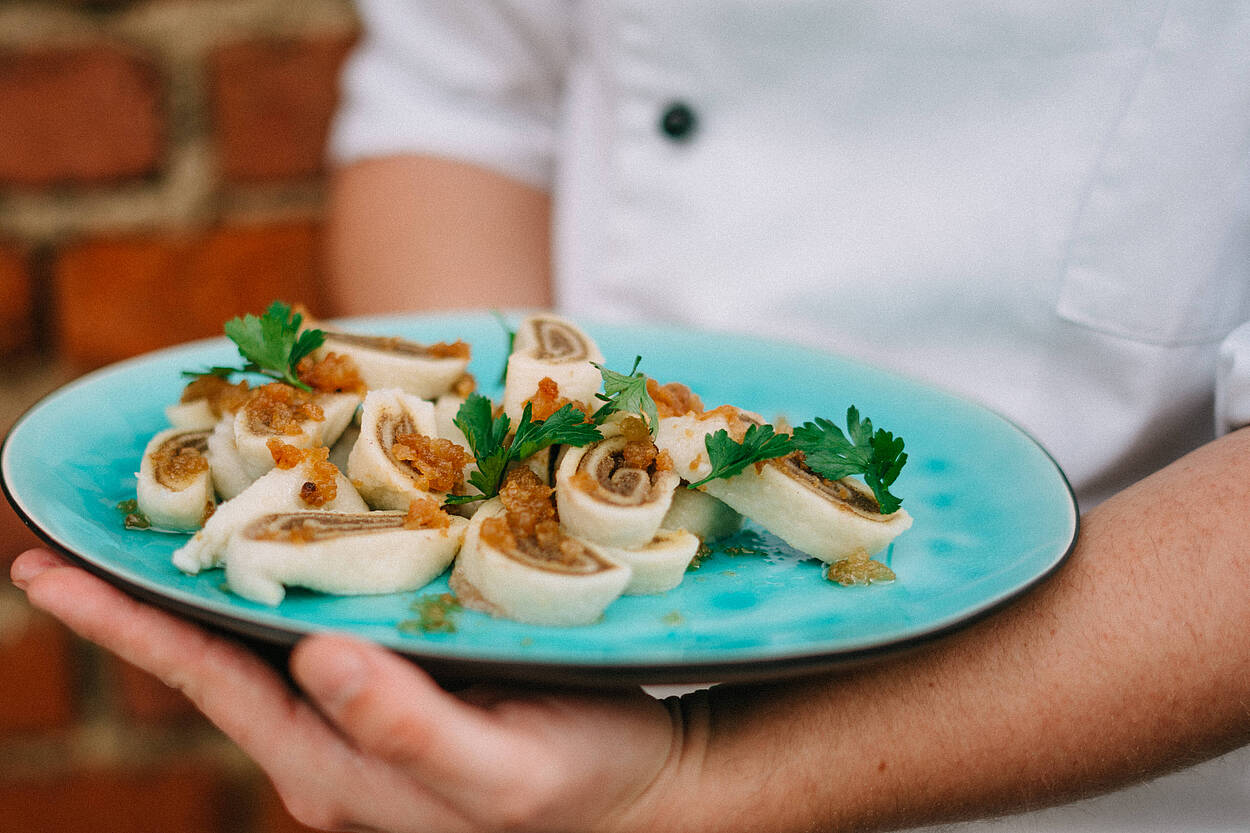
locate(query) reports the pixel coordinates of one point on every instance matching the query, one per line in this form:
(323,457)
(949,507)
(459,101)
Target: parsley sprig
(876,455)
(487,436)
(626,393)
(759,443)
(271,345)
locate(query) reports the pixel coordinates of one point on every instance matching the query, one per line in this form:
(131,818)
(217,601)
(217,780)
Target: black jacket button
(678,122)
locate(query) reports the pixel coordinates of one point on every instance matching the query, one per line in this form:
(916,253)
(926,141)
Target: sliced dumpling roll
(338,553)
(175,484)
(554,348)
(517,562)
(532,584)
(302,479)
(698,512)
(399,456)
(614,492)
(658,565)
(203,402)
(424,370)
(297,418)
(828,519)
(230,474)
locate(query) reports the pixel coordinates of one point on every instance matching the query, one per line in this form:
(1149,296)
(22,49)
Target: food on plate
(364,464)
(616,491)
(553,348)
(298,418)
(301,479)
(657,565)
(517,562)
(174,486)
(773,484)
(423,370)
(399,457)
(345,553)
(698,512)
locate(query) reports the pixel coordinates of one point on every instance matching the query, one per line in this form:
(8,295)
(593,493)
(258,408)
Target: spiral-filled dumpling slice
(698,512)
(399,456)
(304,420)
(301,480)
(338,553)
(174,486)
(658,565)
(424,370)
(563,584)
(611,492)
(230,474)
(550,347)
(828,519)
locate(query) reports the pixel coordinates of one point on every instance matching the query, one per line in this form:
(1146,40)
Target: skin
(1128,662)
(414,233)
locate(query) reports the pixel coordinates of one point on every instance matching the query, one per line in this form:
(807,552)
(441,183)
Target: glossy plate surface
(993,516)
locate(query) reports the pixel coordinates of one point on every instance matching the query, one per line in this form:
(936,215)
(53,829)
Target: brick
(120,297)
(272,102)
(37,686)
(85,115)
(17,301)
(179,797)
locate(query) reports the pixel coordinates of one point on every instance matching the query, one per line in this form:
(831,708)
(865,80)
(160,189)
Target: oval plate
(993,513)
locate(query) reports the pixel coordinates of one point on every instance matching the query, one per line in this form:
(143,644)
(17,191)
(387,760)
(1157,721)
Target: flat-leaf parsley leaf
(876,455)
(626,393)
(271,344)
(759,443)
(487,436)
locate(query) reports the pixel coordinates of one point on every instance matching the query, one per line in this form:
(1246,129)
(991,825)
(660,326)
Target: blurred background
(160,172)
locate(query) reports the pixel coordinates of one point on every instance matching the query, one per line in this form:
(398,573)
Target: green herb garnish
(877,455)
(626,393)
(272,345)
(435,614)
(759,443)
(487,437)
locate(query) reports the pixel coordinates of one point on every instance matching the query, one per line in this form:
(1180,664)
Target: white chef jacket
(1044,207)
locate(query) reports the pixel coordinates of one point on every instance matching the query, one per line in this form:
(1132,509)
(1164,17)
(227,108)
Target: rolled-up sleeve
(479,82)
(1232,382)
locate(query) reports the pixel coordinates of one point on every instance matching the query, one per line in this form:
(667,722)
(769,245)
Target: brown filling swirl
(613,476)
(308,527)
(527,531)
(180,459)
(845,492)
(403,347)
(557,342)
(431,463)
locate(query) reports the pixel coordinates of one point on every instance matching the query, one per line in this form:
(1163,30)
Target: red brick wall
(152,152)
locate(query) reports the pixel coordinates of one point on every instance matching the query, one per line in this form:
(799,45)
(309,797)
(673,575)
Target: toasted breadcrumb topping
(437,464)
(321,487)
(281,409)
(426,513)
(673,399)
(547,400)
(221,396)
(334,373)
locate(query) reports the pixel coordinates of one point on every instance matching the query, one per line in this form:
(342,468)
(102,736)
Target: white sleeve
(475,81)
(1232,381)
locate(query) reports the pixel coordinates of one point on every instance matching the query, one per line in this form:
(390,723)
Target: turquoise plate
(993,513)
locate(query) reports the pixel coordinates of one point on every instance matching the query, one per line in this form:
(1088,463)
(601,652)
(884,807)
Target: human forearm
(415,232)
(1129,662)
